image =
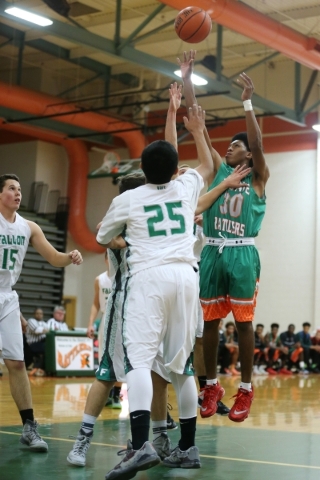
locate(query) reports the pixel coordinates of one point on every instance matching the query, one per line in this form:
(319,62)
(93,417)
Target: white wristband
(247,105)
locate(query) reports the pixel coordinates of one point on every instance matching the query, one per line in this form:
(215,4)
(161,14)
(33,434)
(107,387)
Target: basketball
(193,24)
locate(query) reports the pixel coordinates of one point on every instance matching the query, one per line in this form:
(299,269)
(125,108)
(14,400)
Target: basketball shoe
(222,408)
(134,461)
(162,445)
(212,394)
(77,456)
(242,404)
(183,459)
(31,437)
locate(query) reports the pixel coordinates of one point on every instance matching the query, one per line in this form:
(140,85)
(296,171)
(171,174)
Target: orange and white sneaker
(242,404)
(211,395)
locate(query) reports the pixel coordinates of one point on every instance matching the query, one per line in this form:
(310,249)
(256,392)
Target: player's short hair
(291,325)
(131,181)
(5,177)
(306,324)
(275,325)
(243,137)
(159,161)
(259,325)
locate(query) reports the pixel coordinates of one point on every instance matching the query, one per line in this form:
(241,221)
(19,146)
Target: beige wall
(287,242)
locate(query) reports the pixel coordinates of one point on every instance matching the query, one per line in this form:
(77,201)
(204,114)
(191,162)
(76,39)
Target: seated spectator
(315,351)
(57,322)
(259,351)
(230,351)
(272,344)
(36,340)
(291,350)
(308,348)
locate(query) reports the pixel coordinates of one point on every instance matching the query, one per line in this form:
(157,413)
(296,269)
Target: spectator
(57,322)
(291,350)
(36,339)
(315,351)
(230,352)
(272,343)
(259,351)
(308,348)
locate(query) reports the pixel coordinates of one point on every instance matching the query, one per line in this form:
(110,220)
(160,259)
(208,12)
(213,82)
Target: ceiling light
(30,17)
(196,80)
(316,127)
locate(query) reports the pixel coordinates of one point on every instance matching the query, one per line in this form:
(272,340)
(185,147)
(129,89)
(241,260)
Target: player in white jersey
(111,365)
(15,235)
(102,290)
(161,291)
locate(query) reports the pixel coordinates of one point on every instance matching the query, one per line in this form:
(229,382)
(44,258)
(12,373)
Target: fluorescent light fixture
(30,17)
(316,127)
(196,80)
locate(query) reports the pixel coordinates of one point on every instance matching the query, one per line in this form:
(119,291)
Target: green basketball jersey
(236,213)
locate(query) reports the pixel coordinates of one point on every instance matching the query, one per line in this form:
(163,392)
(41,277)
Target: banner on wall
(74,353)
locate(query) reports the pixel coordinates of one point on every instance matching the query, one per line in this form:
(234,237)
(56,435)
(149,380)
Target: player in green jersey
(230,265)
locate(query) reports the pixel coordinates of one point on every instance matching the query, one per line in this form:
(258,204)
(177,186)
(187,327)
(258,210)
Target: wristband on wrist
(247,105)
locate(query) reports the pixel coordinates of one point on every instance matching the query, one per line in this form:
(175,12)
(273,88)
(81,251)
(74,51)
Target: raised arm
(186,71)
(171,123)
(232,181)
(196,124)
(47,251)
(260,168)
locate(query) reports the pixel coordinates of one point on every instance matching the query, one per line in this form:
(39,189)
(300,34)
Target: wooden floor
(280,439)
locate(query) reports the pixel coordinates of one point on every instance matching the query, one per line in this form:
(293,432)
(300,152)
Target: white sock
(246,386)
(301,365)
(159,427)
(87,425)
(213,381)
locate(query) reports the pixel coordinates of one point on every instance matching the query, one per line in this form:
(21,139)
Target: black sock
(116,392)
(26,415)
(202,381)
(188,432)
(140,425)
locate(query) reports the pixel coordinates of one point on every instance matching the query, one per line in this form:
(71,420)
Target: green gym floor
(280,439)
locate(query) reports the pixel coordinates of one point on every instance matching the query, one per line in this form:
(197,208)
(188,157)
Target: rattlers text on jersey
(14,241)
(230,264)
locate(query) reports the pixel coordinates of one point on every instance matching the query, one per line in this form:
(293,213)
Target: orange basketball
(193,24)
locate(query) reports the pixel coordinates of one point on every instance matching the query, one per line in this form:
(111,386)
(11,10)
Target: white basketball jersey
(158,220)
(105,285)
(200,241)
(14,241)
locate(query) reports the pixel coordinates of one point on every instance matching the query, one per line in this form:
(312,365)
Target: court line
(212,457)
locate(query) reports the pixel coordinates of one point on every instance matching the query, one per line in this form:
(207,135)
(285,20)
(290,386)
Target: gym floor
(280,439)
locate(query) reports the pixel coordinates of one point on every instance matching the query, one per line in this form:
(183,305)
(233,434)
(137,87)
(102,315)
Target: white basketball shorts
(160,305)
(10,326)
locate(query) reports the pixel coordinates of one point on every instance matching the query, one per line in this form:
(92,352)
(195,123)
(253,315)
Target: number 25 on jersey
(159,217)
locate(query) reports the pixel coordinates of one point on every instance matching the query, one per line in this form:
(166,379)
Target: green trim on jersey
(236,213)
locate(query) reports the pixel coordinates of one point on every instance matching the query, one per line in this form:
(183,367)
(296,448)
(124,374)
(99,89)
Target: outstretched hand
(196,121)
(187,65)
(76,257)
(175,96)
(234,180)
(247,85)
